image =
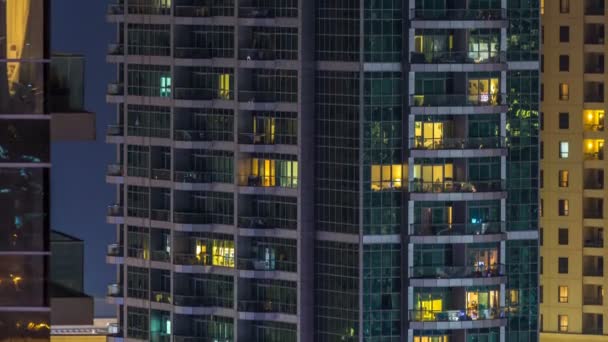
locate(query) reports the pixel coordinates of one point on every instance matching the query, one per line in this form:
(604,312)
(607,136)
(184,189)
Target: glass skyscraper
(328,170)
(24,170)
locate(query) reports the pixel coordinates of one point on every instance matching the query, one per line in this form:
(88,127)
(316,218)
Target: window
(542,121)
(540,294)
(564,6)
(564,92)
(541,265)
(562,236)
(542,206)
(563,178)
(542,150)
(563,294)
(542,7)
(562,323)
(564,34)
(564,148)
(564,63)
(542,91)
(542,179)
(541,235)
(542,63)
(562,265)
(563,207)
(165,86)
(564,120)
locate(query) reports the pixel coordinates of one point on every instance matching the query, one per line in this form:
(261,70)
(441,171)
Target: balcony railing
(264,181)
(114,290)
(116,9)
(594,243)
(195,177)
(115,130)
(114,329)
(485,228)
(459,14)
(457,186)
(201,94)
(116,49)
(160,215)
(192,11)
(267,12)
(594,127)
(193,338)
(255,222)
(115,210)
(192,259)
(458,57)
(266,139)
(115,89)
(447,100)
(447,272)
(599,155)
(162,256)
(115,250)
(160,174)
(267,306)
(266,265)
(597,300)
(202,135)
(192,52)
(457,143)
(192,218)
(160,297)
(456,315)
(114,170)
(266,96)
(202,301)
(253,54)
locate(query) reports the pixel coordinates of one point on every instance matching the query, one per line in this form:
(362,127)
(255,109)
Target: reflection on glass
(24,141)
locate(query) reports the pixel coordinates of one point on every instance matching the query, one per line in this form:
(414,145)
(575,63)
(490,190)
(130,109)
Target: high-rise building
(573,195)
(325,170)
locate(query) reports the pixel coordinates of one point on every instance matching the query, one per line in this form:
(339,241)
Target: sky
(79,194)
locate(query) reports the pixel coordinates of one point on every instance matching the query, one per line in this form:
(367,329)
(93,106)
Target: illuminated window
(564,92)
(514,297)
(264,130)
(594,149)
(435,338)
(386,177)
(264,170)
(428,305)
(563,207)
(564,149)
(542,7)
(562,323)
(564,6)
(482,304)
(593,120)
(165,3)
(484,91)
(223,253)
(563,294)
(165,86)
(433,178)
(224,91)
(429,135)
(563,178)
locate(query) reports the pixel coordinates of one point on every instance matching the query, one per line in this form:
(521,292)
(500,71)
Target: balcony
(197,301)
(474,186)
(457,143)
(116,9)
(266,96)
(192,53)
(593,120)
(451,272)
(593,179)
(456,100)
(459,14)
(160,174)
(193,11)
(457,315)
(160,297)
(115,250)
(267,139)
(201,94)
(115,89)
(593,295)
(593,208)
(116,49)
(255,264)
(594,34)
(201,177)
(160,256)
(192,218)
(114,170)
(456,57)
(160,215)
(252,11)
(115,131)
(193,259)
(445,229)
(593,266)
(114,290)
(593,237)
(115,210)
(593,92)
(253,222)
(267,306)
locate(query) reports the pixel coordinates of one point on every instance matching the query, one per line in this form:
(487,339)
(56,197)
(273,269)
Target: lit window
(165,86)
(564,6)
(223,253)
(564,92)
(386,177)
(224,91)
(594,149)
(563,323)
(563,294)
(564,149)
(563,207)
(542,7)
(563,178)
(594,120)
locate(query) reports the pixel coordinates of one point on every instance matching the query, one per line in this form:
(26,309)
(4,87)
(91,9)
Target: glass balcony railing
(115,250)
(192,218)
(116,9)
(114,170)
(115,210)
(115,49)
(114,290)
(160,174)
(447,100)
(191,259)
(115,89)
(459,14)
(160,297)
(266,265)
(255,222)
(457,143)
(266,96)
(457,186)
(202,301)
(115,131)
(160,215)
(442,229)
(202,94)
(196,338)
(195,177)
(457,315)
(192,52)
(192,11)
(267,306)
(202,135)
(447,272)
(267,139)
(456,57)
(161,256)
(267,12)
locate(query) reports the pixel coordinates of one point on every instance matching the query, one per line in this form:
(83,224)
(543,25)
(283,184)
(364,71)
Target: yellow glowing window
(264,130)
(562,323)
(514,297)
(594,149)
(542,7)
(223,253)
(419,43)
(442,338)
(265,170)
(165,3)
(224,92)
(593,120)
(564,178)
(563,294)
(429,135)
(437,173)
(428,307)
(484,90)
(564,91)
(386,177)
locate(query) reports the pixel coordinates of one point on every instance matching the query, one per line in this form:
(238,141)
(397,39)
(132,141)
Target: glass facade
(24,170)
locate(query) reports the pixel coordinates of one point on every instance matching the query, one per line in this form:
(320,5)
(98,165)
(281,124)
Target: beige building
(573,171)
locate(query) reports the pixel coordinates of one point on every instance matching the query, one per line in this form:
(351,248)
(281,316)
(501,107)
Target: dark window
(563,207)
(562,265)
(564,63)
(542,149)
(564,34)
(562,236)
(542,179)
(541,236)
(564,120)
(542,91)
(542,63)
(540,294)
(542,121)
(541,265)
